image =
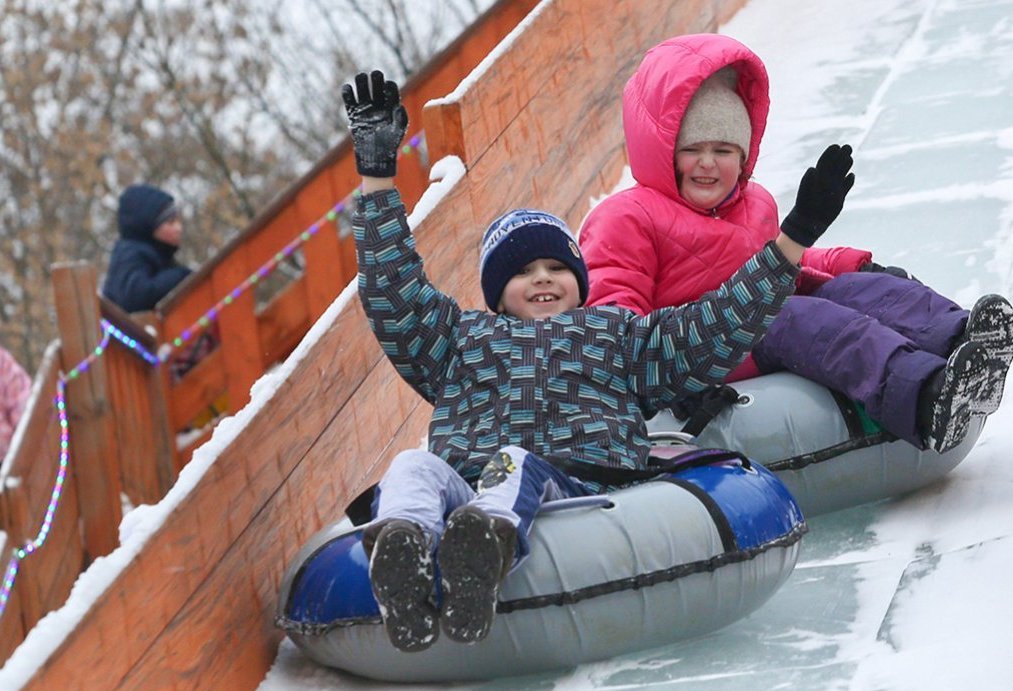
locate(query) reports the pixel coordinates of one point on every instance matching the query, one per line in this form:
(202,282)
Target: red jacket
(646,247)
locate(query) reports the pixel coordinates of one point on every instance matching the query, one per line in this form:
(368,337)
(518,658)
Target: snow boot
(475,554)
(990,323)
(402,577)
(962,389)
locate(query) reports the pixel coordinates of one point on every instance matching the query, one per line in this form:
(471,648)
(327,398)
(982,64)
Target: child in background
(693,114)
(143,268)
(538,399)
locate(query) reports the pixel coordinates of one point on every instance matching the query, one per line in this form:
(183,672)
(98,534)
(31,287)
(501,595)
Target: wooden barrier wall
(539,126)
(46,576)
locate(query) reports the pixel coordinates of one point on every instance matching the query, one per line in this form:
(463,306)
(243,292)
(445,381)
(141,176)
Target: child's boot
(475,554)
(962,389)
(402,578)
(990,323)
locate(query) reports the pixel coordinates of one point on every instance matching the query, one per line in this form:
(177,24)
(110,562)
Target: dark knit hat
(716,113)
(142,209)
(518,238)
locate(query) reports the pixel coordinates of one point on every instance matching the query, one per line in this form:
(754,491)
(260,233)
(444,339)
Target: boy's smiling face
(706,172)
(542,288)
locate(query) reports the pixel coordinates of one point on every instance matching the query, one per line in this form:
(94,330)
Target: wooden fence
(536,125)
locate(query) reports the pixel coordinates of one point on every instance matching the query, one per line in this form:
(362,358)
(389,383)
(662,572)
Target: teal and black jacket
(574,389)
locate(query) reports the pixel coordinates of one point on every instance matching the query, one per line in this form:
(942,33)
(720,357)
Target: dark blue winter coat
(142,270)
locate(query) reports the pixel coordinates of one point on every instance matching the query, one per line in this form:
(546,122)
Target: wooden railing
(133,426)
(536,125)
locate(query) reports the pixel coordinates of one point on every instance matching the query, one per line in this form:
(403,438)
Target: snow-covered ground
(910,593)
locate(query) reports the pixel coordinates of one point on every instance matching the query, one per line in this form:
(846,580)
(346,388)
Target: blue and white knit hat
(518,238)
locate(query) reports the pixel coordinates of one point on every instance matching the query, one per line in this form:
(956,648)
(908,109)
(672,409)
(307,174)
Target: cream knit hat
(716,113)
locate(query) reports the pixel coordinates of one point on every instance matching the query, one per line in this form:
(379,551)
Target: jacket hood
(141,210)
(656,97)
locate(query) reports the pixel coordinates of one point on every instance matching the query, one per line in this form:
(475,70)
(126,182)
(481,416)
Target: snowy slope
(911,593)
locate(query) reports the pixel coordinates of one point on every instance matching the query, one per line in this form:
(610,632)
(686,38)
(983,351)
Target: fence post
(93,451)
(159,432)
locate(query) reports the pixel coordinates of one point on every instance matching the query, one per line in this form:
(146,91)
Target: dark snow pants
(872,336)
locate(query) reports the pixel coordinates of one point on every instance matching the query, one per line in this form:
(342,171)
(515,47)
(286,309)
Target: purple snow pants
(872,336)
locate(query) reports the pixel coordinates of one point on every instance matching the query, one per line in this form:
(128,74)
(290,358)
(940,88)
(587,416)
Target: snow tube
(820,444)
(642,567)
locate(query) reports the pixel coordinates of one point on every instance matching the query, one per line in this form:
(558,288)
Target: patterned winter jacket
(573,389)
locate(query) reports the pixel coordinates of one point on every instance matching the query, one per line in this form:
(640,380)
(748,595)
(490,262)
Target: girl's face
(543,288)
(706,172)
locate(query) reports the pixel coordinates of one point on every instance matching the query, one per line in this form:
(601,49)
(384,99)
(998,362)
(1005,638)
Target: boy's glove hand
(378,123)
(873,267)
(820,196)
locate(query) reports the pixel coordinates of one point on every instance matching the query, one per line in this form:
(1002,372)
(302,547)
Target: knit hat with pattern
(518,238)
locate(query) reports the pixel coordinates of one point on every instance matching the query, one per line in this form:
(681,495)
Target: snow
(903,594)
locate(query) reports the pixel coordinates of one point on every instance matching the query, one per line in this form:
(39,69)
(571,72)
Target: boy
(143,268)
(539,400)
(693,114)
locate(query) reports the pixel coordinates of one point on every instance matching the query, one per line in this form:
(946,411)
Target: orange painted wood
(46,575)
(324,275)
(135,422)
(89,407)
(12,630)
(239,338)
(284,322)
(206,382)
(162,434)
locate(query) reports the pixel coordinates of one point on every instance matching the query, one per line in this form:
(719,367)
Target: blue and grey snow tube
(639,568)
(823,447)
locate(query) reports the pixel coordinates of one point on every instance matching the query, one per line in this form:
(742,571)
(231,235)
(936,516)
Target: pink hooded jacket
(646,247)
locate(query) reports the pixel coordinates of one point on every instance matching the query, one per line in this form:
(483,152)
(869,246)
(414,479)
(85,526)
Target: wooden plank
(238,329)
(201,386)
(20,530)
(135,423)
(162,436)
(88,406)
(324,275)
(284,322)
(12,630)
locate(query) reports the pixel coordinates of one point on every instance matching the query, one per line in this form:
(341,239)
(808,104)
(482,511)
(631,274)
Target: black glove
(378,122)
(873,267)
(820,196)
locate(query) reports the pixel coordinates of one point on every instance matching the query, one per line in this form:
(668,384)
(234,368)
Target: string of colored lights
(269,266)
(111,331)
